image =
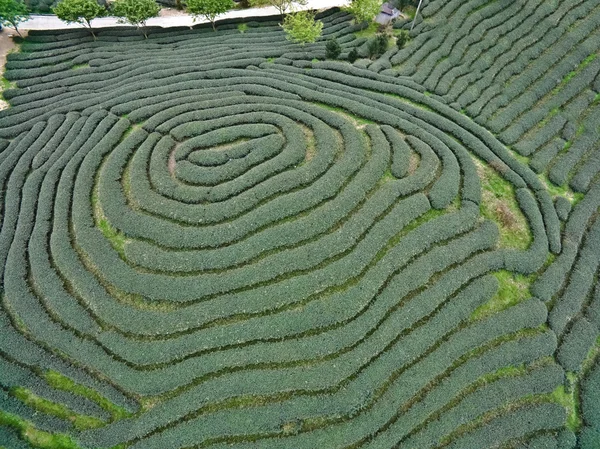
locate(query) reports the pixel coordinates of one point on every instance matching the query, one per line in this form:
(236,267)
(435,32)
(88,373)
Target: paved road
(50,22)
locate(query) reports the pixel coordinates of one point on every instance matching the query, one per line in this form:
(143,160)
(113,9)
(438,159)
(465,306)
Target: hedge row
(285,252)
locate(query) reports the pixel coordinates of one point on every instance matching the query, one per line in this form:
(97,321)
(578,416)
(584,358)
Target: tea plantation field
(226,240)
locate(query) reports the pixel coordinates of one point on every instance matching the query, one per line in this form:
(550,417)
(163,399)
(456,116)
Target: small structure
(387,14)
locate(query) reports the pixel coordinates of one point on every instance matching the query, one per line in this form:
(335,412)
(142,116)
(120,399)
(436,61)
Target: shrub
(332,49)
(402,39)
(377,46)
(352,55)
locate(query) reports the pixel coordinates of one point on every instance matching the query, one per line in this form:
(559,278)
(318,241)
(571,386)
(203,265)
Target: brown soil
(6,46)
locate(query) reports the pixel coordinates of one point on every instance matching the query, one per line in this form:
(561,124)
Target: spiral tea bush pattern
(224,240)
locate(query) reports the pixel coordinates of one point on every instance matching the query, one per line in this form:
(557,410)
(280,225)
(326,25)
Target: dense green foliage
(79,11)
(364,10)
(301,27)
(136,12)
(224,239)
(12,13)
(209,9)
(333,49)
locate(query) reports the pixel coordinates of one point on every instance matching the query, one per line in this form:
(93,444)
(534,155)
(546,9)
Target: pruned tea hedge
(225,240)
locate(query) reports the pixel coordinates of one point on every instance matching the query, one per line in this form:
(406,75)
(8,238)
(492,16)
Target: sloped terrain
(222,239)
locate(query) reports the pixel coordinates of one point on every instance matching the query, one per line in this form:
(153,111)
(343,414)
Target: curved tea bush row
(527,71)
(590,433)
(226,242)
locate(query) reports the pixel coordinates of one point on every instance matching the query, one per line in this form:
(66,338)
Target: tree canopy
(136,12)
(302,27)
(13,12)
(79,11)
(209,9)
(364,10)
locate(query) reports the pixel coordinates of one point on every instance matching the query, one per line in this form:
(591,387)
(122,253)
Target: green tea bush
(217,238)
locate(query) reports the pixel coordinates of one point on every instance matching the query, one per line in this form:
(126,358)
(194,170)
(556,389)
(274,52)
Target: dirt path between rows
(6,46)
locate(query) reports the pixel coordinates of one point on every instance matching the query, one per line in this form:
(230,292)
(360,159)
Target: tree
(302,27)
(13,12)
(136,12)
(364,10)
(280,5)
(377,46)
(353,55)
(79,11)
(332,49)
(402,39)
(209,9)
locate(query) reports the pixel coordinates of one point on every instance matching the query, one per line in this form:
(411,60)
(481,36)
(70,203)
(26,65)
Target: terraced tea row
(527,71)
(220,240)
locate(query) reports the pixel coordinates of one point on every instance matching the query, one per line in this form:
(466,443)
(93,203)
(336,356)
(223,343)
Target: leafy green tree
(209,9)
(302,27)
(402,39)
(377,46)
(136,12)
(332,49)
(280,5)
(79,11)
(13,12)
(364,10)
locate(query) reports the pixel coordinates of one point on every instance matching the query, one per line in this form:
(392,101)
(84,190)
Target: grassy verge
(512,289)
(499,204)
(60,382)
(355,118)
(80,422)
(116,238)
(35,437)
(368,32)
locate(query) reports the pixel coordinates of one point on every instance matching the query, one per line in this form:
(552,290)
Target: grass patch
(427,216)
(569,76)
(388,176)
(569,401)
(552,113)
(555,190)
(60,382)
(35,437)
(581,66)
(80,66)
(80,422)
(358,120)
(116,238)
(6,84)
(499,204)
(512,289)
(368,32)
(409,11)
(311,145)
(242,27)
